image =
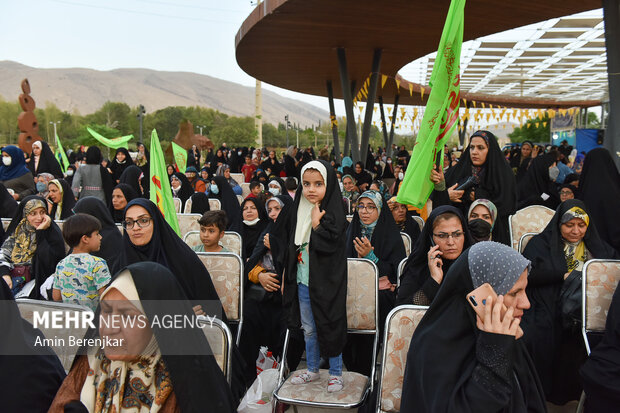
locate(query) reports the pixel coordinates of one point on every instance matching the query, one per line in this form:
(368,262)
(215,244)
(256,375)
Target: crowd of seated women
(517,355)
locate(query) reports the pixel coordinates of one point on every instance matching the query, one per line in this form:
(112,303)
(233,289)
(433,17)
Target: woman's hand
(455,196)
(47,221)
(362,246)
(493,321)
(317,214)
(435,264)
(269,281)
(266,241)
(437,176)
(8,280)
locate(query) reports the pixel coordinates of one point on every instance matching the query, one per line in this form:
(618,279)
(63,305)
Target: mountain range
(86,90)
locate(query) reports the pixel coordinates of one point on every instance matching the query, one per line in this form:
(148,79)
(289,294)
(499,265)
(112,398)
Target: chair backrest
(192,238)
(188,206)
(245,189)
(529,219)
(120,228)
(599,281)
(64,351)
(238,177)
(362,296)
(401,267)
(226,270)
(349,218)
(407,242)
(177,205)
(525,238)
(231,240)
(215,204)
(400,325)
(5,223)
(240,199)
(188,222)
(419,220)
(220,338)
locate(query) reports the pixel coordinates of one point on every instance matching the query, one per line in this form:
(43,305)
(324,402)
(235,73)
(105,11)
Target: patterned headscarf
(22,244)
(496,264)
(376,198)
(575,253)
(489,205)
(575,212)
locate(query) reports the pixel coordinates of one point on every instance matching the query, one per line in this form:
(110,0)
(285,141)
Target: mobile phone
(432,241)
(477,299)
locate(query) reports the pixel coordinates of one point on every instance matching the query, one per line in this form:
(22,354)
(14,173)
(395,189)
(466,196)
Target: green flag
(61,156)
(161,194)
(180,157)
(111,143)
(441,114)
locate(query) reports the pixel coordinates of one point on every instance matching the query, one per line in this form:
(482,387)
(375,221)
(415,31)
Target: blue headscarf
(346,163)
(17,167)
(376,198)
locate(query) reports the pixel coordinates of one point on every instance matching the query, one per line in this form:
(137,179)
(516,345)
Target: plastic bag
(259,397)
(265,360)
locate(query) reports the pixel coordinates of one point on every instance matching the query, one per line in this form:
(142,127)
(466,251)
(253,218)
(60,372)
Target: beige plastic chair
(188,222)
(400,325)
(226,271)
(407,242)
(215,204)
(419,221)
(525,238)
(5,223)
(529,219)
(188,206)
(120,228)
(238,177)
(599,281)
(349,218)
(362,318)
(231,240)
(220,338)
(401,267)
(65,353)
(245,189)
(177,205)
(240,199)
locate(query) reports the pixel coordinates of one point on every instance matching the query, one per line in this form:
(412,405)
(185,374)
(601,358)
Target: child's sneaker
(335,384)
(305,377)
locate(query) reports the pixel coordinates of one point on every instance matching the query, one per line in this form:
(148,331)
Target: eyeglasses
(142,223)
(368,208)
(445,235)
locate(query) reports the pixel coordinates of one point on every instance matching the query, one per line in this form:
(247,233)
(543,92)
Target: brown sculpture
(186,137)
(27,121)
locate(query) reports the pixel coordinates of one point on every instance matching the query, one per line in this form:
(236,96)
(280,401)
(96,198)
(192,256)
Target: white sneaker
(335,384)
(305,377)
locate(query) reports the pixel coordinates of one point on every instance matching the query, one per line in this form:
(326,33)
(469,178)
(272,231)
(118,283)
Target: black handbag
(571,302)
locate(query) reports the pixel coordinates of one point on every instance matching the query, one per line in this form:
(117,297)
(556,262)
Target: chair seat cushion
(353,392)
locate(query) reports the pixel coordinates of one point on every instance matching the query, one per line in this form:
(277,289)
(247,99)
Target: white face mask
(69,172)
(7,160)
(401,176)
(274,191)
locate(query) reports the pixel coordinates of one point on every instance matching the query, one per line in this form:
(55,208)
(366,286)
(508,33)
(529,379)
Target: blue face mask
(41,187)
(274,191)
(214,189)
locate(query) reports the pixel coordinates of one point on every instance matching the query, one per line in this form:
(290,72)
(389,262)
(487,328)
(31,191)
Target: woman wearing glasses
(373,235)
(444,237)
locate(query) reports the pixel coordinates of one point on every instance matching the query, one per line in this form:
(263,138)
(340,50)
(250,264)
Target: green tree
(530,132)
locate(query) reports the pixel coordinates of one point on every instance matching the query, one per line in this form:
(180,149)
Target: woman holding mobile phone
(444,237)
(461,362)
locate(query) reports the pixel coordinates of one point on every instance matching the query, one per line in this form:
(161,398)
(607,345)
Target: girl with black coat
(183,191)
(458,362)
(121,161)
(315,284)
(44,161)
(483,162)
(558,352)
(373,234)
(417,286)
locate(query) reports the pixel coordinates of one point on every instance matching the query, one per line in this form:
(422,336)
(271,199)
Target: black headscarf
(50,247)
(537,182)
(193,159)
(479,371)
(68,201)
(599,188)
(168,249)
(131,176)
(130,194)
(556,354)
(196,378)
(117,167)
(497,184)
(200,203)
(94,157)
(230,203)
(251,234)
(185,191)
(111,237)
(363,177)
(521,164)
(47,162)
(30,373)
(416,276)
(8,204)
(328,267)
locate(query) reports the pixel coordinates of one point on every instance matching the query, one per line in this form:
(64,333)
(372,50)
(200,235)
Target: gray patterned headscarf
(496,264)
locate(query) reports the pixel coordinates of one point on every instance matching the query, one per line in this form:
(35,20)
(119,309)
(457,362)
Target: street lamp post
(55,131)
(140,117)
(200,128)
